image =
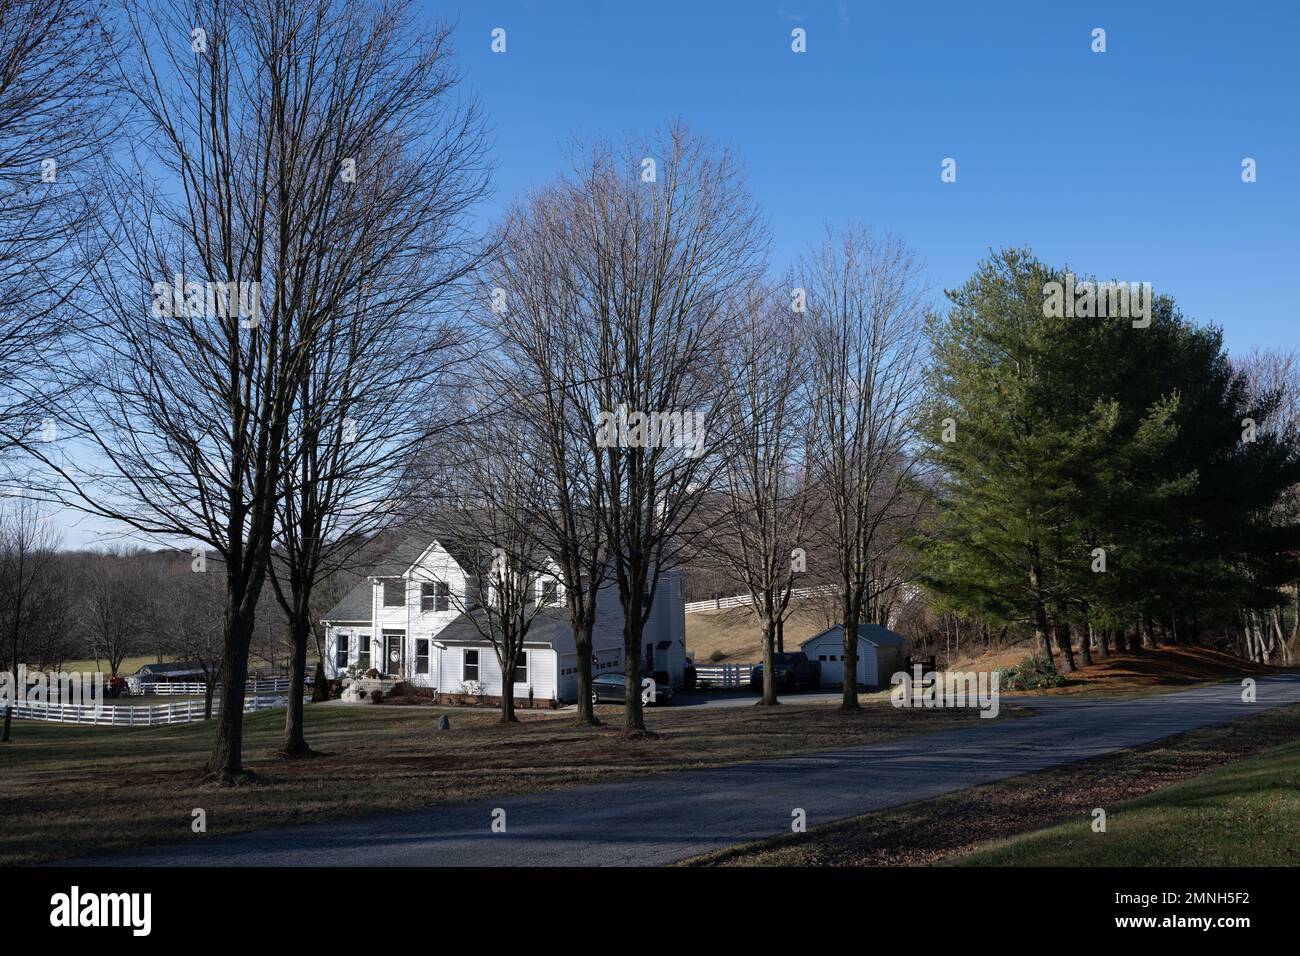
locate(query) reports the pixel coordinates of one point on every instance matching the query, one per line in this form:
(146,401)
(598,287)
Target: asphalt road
(667,817)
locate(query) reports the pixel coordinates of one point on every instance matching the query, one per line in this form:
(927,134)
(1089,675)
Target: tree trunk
(769,662)
(9,719)
(1148,635)
(1103,644)
(633,714)
(1062,634)
(780,634)
(849,663)
(1135,638)
(227,763)
(295,743)
(1085,645)
(208,690)
(1295,621)
(582,643)
(508,696)
(1041,634)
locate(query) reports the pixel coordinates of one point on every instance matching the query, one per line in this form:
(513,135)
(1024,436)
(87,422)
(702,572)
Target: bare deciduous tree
(397,247)
(498,487)
(116,605)
(539,337)
(666,236)
(1275,373)
(32,599)
(212,299)
(764,503)
(865,315)
(53,120)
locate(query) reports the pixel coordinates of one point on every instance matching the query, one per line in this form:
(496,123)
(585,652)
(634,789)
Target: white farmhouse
(409,618)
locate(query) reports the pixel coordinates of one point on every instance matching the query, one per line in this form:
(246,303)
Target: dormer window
(394,592)
(550,592)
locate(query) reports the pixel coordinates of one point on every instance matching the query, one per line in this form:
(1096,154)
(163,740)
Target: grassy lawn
(1226,795)
(1245,814)
(69,791)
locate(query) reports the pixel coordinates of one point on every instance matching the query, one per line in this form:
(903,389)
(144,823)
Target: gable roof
(410,549)
(354,606)
(873,634)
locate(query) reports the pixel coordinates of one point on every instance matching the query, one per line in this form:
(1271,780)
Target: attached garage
(881,653)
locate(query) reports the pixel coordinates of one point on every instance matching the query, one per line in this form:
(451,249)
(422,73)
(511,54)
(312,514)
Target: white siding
(356,635)
(541,672)
(434,566)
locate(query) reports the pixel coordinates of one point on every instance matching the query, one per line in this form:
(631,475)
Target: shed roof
(873,634)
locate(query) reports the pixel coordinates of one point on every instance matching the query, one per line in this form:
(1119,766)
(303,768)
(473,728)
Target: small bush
(1033,673)
(717,655)
(377,696)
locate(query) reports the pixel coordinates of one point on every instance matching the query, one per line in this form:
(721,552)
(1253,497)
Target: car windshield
(783,658)
(610,678)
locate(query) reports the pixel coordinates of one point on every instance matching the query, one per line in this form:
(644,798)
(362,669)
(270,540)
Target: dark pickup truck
(792,671)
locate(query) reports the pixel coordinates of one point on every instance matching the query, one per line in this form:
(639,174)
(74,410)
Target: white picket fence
(739,600)
(722,675)
(273,685)
(120,715)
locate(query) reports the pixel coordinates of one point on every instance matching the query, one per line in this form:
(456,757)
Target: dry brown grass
(736,633)
(1167,668)
(69,791)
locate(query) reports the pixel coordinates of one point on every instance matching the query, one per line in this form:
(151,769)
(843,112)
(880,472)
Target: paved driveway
(666,817)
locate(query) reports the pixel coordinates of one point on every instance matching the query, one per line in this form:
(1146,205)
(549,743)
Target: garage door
(832,670)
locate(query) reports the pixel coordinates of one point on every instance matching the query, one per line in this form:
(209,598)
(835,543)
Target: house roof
(354,606)
(873,634)
(549,626)
(400,560)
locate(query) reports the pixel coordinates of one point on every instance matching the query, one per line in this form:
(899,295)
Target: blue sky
(1125,163)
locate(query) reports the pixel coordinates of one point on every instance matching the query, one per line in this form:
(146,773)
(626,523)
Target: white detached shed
(881,653)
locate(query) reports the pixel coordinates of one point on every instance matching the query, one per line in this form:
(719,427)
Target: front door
(393,653)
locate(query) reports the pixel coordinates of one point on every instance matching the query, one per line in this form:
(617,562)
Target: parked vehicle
(116,687)
(792,672)
(609,689)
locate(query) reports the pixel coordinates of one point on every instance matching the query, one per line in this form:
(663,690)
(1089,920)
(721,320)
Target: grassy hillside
(737,634)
